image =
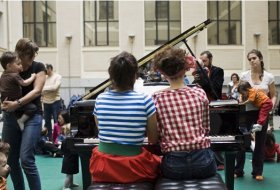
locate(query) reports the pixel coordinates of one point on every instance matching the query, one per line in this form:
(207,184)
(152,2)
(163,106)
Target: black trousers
(247,120)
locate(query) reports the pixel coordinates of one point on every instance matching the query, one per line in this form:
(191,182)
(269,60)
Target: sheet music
(218,103)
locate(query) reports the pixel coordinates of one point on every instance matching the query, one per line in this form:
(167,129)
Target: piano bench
(120,186)
(215,183)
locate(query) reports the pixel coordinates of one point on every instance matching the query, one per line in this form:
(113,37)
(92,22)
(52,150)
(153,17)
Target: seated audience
(232,86)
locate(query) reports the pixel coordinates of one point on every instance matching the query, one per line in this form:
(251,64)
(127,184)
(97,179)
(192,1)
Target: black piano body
(83,125)
(225,117)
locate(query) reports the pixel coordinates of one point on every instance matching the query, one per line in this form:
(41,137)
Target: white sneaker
(256,127)
(74,185)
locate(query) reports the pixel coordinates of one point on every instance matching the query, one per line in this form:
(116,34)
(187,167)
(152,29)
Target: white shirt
(51,91)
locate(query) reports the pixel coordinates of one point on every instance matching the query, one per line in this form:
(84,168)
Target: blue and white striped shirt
(122,116)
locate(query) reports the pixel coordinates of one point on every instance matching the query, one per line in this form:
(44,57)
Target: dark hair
(269,139)
(65,115)
(243,86)
(260,56)
(123,71)
(49,66)
(4,147)
(171,62)
(6,58)
(26,48)
(208,53)
(234,74)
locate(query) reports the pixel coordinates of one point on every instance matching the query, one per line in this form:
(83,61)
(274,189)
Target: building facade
(79,37)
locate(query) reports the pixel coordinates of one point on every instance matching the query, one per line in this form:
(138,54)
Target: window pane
(89,34)
(150,33)
(28,11)
(235,10)
(175,29)
(175,10)
(272,10)
(89,10)
(113,34)
(150,10)
(101,34)
(52,35)
(213,34)
(272,33)
(223,33)
(223,10)
(162,9)
(51,10)
(40,11)
(212,10)
(162,33)
(166,25)
(40,35)
(225,29)
(235,33)
(103,28)
(28,30)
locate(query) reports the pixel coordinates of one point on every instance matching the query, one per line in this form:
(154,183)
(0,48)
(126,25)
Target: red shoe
(220,167)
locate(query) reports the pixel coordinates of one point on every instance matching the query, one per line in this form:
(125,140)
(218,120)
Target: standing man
(51,98)
(213,86)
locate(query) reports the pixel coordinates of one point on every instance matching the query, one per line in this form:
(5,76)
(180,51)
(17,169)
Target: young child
(271,147)
(4,167)
(46,146)
(259,99)
(10,86)
(70,162)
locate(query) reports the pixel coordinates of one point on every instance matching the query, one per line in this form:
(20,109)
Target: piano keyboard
(212,138)
(222,138)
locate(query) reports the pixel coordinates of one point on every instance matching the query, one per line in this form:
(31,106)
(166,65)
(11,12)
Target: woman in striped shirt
(124,117)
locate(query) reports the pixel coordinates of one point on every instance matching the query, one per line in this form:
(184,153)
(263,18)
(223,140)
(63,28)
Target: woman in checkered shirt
(183,121)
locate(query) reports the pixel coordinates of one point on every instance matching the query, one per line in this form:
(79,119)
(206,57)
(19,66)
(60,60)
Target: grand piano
(225,135)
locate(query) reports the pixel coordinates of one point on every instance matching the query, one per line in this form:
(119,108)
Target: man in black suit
(211,80)
(213,86)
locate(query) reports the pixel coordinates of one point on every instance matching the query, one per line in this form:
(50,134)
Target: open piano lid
(94,92)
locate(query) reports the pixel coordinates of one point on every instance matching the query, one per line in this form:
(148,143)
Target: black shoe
(238,174)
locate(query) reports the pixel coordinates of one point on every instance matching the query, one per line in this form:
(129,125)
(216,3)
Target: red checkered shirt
(183,119)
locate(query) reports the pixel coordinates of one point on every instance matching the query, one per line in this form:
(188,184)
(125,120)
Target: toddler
(259,99)
(4,167)
(271,147)
(11,83)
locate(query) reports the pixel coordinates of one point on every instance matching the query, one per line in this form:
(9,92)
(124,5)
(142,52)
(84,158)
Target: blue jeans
(51,111)
(189,165)
(21,155)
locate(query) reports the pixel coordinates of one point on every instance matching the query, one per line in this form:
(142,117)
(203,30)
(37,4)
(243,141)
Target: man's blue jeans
(51,111)
(189,165)
(22,149)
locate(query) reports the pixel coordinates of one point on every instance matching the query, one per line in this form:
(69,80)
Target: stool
(119,186)
(215,183)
